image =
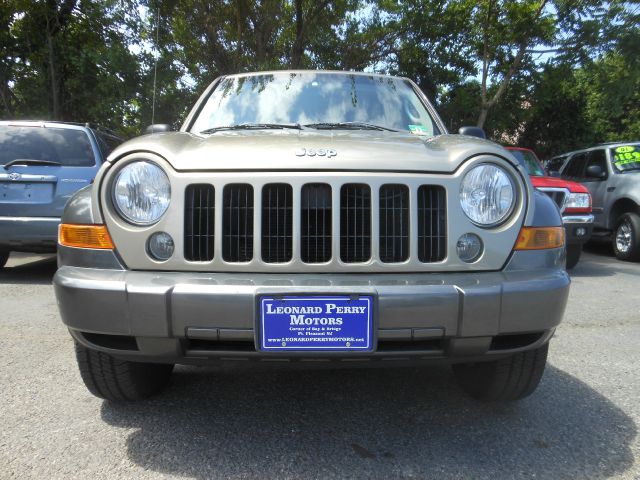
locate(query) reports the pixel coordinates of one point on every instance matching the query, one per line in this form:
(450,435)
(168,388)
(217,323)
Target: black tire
(573,255)
(120,380)
(4,256)
(503,380)
(626,237)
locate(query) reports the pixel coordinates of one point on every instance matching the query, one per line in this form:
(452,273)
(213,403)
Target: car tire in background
(626,237)
(4,256)
(120,380)
(507,379)
(573,255)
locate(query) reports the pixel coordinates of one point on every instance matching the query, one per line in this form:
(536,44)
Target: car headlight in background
(487,194)
(578,200)
(141,193)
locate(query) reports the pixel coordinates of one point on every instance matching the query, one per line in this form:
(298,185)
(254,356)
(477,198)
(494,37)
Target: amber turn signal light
(539,238)
(84,236)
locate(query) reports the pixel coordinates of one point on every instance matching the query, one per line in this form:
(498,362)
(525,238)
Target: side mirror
(472,132)
(554,173)
(595,171)
(158,128)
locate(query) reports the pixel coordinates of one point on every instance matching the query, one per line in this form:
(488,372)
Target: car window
(529,161)
(69,147)
(555,164)
(597,158)
(626,157)
(313,98)
(107,143)
(575,167)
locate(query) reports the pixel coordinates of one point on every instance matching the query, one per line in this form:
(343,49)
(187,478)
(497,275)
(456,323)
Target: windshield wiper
(253,126)
(348,126)
(31,161)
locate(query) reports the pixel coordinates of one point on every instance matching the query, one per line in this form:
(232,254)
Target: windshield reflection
(315,97)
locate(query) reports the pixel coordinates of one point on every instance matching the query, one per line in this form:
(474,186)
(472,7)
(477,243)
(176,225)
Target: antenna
(155,69)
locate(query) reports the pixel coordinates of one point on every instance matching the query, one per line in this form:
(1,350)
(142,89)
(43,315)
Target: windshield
(626,157)
(529,161)
(316,99)
(62,146)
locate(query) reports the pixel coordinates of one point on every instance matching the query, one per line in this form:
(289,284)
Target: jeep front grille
(432,237)
(277,222)
(315,223)
(394,223)
(391,223)
(199,222)
(237,223)
(355,223)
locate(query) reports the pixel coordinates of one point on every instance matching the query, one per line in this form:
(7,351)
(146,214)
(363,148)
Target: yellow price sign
(625,149)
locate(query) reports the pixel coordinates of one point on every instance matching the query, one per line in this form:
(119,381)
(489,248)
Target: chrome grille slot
(432,236)
(355,223)
(277,223)
(558,197)
(199,223)
(315,223)
(237,223)
(394,223)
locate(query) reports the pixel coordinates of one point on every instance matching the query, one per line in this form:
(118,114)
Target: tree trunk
(486,105)
(298,44)
(484,110)
(55,94)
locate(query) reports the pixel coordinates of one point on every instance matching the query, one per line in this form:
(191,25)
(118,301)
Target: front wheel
(4,256)
(120,380)
(573,255)
(626,238)
(507,379)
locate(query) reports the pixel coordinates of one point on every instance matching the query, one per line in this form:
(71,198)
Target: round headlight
(487,194)
(141,193)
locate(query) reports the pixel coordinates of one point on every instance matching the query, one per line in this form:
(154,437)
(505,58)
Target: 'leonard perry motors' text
(297,314)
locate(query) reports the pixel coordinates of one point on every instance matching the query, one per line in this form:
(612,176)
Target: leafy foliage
(551,74)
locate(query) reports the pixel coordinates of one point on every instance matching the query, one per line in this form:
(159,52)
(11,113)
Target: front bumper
(29,234)
(196,317)
(578,228)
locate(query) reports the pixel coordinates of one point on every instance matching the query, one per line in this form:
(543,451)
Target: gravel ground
(393,423)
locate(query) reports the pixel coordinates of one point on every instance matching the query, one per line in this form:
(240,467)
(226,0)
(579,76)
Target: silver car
(611,172)
(307,218)
(42,164)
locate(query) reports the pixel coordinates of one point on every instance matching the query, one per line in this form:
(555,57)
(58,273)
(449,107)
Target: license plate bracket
(302,323)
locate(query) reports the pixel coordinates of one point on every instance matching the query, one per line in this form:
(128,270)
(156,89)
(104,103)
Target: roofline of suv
(600,145)
(90,125)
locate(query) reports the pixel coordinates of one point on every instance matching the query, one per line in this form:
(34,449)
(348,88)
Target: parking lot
(220,422)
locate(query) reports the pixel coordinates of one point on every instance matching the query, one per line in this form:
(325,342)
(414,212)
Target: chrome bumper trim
(586,218)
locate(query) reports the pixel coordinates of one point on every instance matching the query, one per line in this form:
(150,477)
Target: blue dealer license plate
(339,323)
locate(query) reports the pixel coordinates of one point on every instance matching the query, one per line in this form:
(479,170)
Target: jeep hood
(282,150)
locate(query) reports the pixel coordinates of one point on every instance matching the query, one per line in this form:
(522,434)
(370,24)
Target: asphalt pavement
(245,423)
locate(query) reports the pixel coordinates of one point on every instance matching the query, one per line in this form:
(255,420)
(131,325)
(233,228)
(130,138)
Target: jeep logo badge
(321,152)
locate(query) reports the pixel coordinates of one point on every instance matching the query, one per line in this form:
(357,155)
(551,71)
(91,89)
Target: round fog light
(160,246)
(469,247)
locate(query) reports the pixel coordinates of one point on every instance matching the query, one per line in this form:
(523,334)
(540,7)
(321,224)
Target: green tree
(557,119)
(427,41)
(72,62)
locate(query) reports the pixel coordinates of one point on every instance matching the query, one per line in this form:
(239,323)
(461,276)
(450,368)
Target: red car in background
(573,200)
